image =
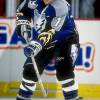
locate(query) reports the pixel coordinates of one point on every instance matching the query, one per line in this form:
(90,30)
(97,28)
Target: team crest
(32,4)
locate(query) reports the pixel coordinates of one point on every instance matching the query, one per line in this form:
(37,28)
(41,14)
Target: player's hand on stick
(32,49)
(23,27)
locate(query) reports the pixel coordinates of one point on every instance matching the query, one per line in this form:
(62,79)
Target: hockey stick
(39,77)
(36,69)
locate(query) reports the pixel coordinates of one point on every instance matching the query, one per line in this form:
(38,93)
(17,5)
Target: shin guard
(26,89)
(70,89)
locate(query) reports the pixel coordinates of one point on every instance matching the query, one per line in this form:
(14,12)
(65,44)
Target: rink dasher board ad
(87,66)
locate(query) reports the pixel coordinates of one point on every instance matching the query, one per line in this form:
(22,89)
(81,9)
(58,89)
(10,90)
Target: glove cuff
(22,22)
(37,46)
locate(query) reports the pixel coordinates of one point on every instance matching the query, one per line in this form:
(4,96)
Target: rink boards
(53,90)
(87,67)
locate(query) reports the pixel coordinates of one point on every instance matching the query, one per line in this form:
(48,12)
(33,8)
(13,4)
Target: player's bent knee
(65,72)
(29,73)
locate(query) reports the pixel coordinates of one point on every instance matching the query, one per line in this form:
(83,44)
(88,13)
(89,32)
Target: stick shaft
(36,68)
(39,77)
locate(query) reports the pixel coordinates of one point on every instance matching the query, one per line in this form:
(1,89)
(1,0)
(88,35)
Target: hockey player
(52,34)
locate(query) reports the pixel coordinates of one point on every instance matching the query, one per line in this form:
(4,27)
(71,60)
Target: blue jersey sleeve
(63,21)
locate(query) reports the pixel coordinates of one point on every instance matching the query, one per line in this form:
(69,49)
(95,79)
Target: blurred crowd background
(80,8)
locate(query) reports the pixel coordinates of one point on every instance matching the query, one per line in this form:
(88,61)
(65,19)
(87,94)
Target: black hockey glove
(33,48)
(23,27)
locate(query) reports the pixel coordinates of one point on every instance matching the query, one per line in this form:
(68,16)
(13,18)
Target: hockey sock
(26,89)
(70,89)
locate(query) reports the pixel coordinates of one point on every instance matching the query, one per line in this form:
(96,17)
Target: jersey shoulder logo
(32,4)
